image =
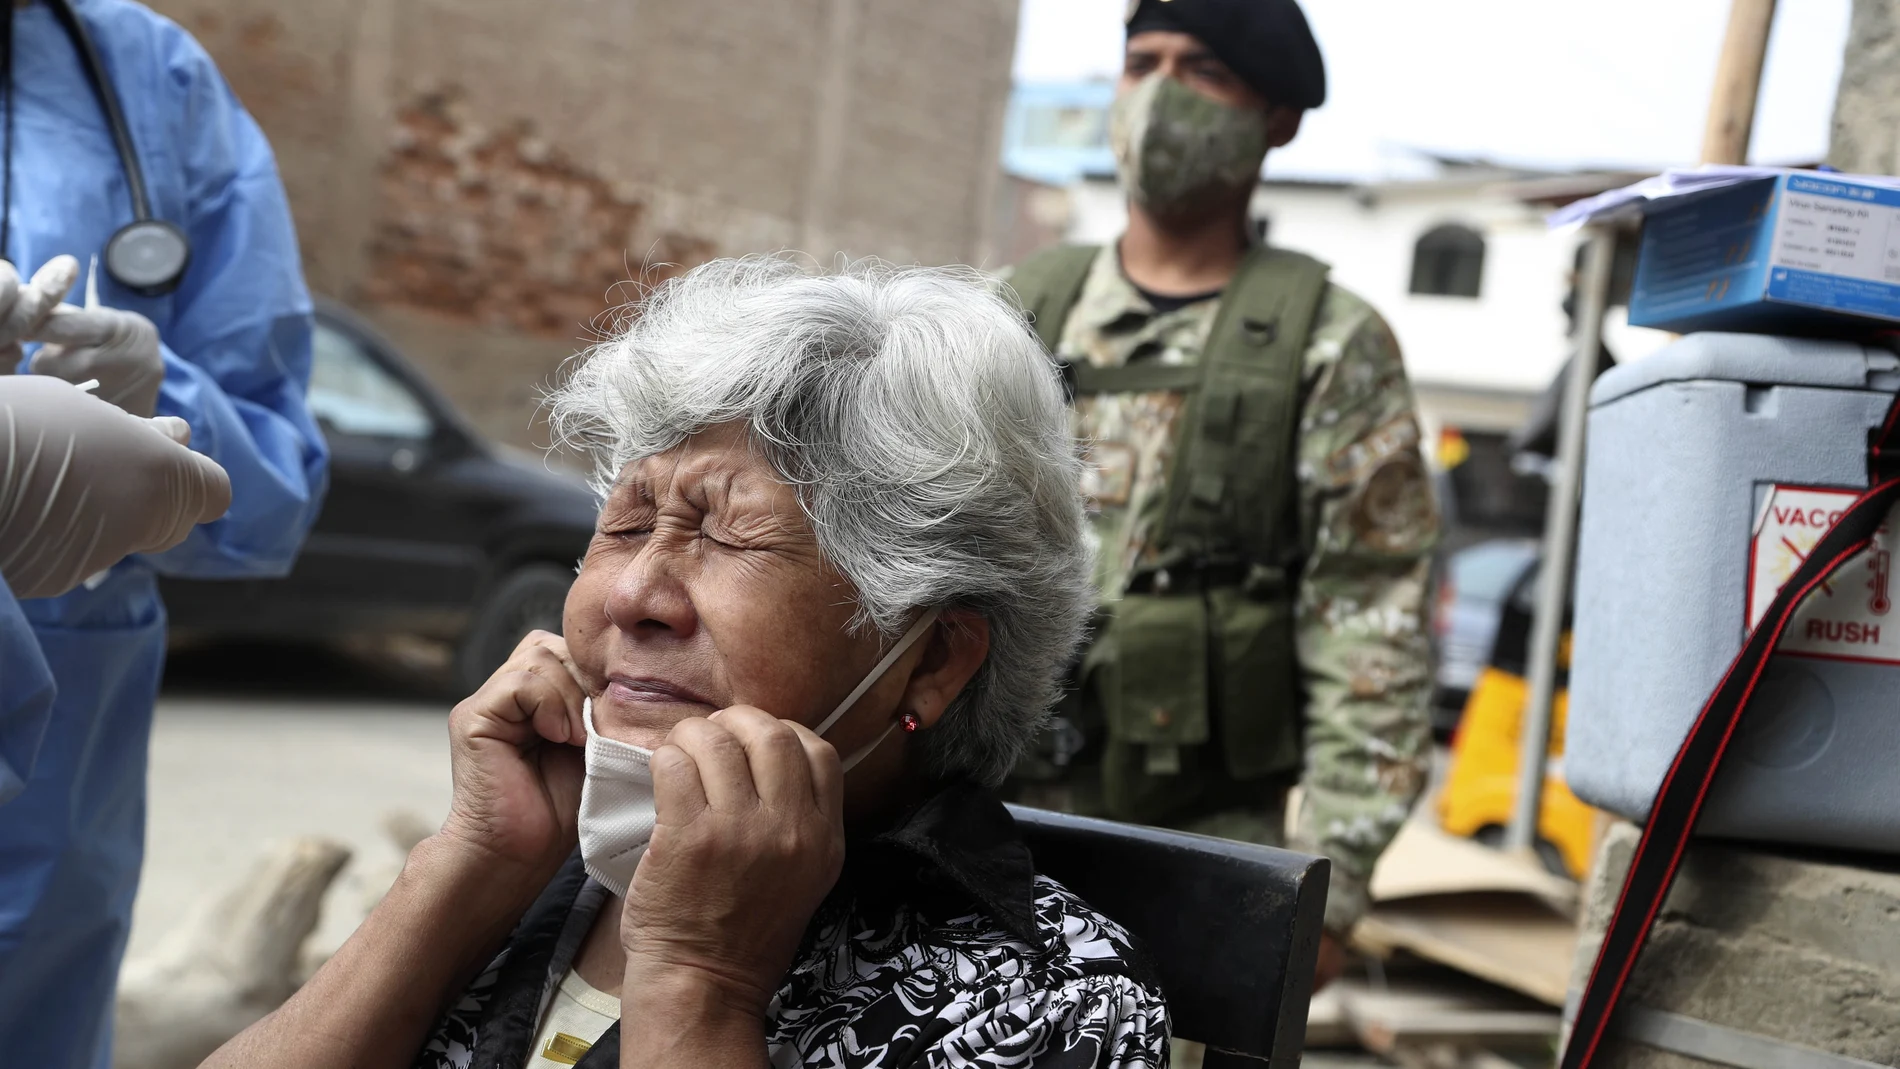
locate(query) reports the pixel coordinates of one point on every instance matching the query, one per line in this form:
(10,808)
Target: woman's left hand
(749,840)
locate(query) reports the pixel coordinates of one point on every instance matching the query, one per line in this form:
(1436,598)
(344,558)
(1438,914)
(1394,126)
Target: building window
(1448,261)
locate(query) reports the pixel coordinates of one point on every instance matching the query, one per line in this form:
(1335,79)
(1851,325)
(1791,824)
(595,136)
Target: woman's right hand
(515,748)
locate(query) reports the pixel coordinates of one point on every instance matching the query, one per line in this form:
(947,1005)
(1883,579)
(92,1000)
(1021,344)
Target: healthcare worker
(223,344)
(82,484)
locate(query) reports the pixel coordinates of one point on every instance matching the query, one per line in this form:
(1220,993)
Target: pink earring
(909,723)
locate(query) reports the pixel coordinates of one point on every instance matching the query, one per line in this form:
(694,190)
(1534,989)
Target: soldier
(1262,513)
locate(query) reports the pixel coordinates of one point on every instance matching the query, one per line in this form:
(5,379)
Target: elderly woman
(840,564)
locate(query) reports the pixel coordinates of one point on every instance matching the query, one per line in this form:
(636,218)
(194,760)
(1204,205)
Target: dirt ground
(256,745)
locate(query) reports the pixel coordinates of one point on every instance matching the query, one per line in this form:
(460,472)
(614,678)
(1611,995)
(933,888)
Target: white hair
(925,430)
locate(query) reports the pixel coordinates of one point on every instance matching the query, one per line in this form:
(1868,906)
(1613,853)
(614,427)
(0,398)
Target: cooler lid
(1759,359)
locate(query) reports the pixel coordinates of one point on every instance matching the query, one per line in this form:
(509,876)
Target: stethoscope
(147,256)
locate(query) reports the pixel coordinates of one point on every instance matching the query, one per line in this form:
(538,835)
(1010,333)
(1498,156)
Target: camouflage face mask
(1173,145)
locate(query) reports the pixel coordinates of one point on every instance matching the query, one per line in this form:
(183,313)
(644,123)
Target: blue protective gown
(236,340)
(26,696)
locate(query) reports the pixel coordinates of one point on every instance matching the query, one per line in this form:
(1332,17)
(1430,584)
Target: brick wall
(481,177)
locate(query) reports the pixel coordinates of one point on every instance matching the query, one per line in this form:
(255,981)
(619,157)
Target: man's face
(1185,59)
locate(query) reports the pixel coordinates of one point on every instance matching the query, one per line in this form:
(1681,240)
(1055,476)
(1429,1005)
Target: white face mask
(617,813)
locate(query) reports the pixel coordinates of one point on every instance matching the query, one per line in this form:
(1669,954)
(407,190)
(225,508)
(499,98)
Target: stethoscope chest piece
(148,257)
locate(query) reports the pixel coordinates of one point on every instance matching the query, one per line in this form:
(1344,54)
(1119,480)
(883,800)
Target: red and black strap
(1673,816)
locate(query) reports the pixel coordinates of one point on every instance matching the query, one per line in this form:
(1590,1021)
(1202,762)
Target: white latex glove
(25,306)
(117,347)
(83,484)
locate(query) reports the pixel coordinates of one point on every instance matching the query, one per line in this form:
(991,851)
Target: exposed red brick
(260,32)
(496,228)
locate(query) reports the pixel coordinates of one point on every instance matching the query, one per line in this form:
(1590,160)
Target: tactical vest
(1192,679)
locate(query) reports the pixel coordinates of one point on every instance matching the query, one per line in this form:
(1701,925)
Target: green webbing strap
(1047,285)
(1232,475)
(1133,378)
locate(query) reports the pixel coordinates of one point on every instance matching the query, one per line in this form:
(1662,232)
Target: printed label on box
(1849,617)
(1837,246)
(1839,229)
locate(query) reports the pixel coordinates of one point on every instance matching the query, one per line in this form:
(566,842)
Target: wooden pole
(1737,81)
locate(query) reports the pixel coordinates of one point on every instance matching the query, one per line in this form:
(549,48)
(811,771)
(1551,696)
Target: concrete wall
(1767,948)
(482,177)
(1867,109)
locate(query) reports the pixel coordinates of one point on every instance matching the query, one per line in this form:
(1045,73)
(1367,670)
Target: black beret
(1267,43)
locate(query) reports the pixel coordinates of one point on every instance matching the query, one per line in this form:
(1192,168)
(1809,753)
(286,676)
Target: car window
(1487,570)
(354,395)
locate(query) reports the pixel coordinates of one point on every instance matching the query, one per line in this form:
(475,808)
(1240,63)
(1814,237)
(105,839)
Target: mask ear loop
(877,671)
(851,762)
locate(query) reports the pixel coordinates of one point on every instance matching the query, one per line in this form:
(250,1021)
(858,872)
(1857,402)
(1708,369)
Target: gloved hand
(25,306)
(83,484)
(117,347)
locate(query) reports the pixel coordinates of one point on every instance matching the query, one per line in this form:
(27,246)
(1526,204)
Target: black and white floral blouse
(940,947)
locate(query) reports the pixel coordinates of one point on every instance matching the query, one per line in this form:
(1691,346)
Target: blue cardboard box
(1794,254)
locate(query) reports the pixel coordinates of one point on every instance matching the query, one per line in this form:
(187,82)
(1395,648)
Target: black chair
(1233,929)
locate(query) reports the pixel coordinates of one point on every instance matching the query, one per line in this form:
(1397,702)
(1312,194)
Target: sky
(1609,83)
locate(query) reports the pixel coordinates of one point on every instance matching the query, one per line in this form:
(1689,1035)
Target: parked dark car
(1473,586)
(428,528)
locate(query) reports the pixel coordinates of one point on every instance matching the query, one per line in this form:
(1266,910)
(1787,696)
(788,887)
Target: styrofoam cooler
(1713,466)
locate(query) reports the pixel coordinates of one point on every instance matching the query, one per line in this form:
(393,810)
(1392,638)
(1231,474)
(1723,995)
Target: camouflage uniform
(1367,524)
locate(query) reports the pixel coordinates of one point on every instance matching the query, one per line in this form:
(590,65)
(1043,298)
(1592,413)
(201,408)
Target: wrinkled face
(704,588)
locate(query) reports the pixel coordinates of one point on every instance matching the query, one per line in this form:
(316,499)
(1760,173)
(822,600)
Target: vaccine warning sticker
(1850,616)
